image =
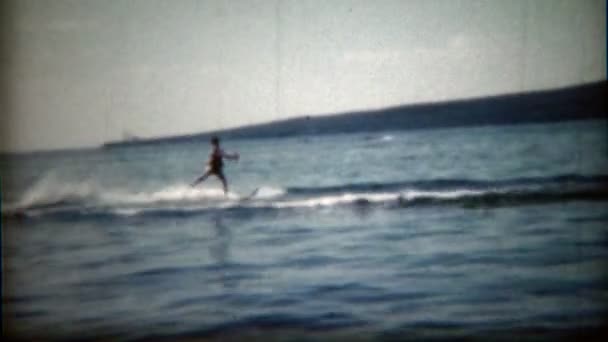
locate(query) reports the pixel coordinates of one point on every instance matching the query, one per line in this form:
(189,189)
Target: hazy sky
(78,73)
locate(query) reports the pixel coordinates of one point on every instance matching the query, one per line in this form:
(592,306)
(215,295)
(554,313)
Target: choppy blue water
(454,232)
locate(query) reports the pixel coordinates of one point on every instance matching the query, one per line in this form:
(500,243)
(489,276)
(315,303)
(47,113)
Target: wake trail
(87,200)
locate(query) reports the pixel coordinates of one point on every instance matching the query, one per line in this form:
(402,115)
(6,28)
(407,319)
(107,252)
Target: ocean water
(487,232)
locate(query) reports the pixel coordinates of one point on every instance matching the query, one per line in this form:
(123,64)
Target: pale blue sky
(83,72)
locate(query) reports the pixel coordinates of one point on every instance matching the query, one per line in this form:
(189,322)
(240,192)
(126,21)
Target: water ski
(250,196)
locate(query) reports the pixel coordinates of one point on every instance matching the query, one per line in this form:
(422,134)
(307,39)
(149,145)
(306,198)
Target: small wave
(502,198)
(333,200)
(443,185)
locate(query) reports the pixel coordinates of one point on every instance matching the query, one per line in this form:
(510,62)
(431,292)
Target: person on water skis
(215,164)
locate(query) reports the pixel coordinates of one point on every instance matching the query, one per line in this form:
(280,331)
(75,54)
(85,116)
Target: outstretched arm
(232,156)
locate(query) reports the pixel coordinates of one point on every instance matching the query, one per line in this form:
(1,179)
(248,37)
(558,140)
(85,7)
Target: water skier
(215,164)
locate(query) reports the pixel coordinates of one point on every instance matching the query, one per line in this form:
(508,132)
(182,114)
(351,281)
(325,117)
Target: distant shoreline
(556,105)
